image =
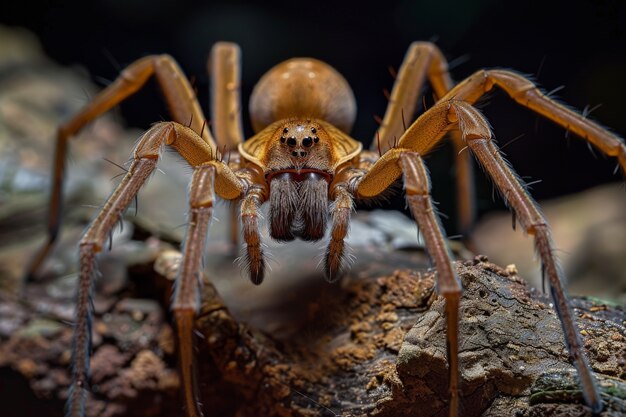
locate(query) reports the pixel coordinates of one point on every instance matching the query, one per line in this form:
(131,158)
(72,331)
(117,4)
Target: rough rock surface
(372,346)
(377,347)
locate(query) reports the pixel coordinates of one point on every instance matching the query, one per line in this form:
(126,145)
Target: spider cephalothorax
(303,163)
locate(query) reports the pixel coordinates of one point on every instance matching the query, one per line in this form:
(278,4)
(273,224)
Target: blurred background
(577,49)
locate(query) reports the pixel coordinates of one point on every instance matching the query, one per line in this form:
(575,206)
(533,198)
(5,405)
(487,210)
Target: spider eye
(307,141)
(313,130)
(316,139)
(283,139)
(291,141)
(285,130)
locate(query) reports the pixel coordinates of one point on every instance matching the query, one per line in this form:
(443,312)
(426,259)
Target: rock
(589,230)
(377,347)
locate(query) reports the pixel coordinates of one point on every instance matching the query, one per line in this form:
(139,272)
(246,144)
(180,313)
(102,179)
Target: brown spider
(302,161)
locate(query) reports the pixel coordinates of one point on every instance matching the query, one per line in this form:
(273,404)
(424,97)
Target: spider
(302,162)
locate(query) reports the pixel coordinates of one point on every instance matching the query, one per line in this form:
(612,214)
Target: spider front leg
(524,92)
(181,102)
(417,189)
(476,132)
(206,178)
(193,149)
(421,136)
(92,243)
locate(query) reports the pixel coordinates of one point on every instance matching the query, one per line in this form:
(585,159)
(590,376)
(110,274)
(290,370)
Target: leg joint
(536,228)
(165,58)
(88,245)
(416,181)
(153,140)
(472,123)
(202,189)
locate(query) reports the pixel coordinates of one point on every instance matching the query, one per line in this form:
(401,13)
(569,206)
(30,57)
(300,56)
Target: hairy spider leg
(425,61)
(405,161)
(186,300)
(524,92)
(180,99)
(209,176)
(417,189)
(422,136)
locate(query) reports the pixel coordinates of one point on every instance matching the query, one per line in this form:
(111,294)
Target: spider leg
(427,130)
(477,133)
(524,92)
(92,243)
(420,137)
(179,97)
(340,209)
(225,73)
(186,299)
(145,158)
(424,60)
(417,189)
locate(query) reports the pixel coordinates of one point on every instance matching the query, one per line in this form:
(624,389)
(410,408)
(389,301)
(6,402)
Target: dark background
(579,44)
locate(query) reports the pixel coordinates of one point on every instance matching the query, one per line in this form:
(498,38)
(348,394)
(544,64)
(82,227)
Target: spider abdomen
(298,206)
(302,87)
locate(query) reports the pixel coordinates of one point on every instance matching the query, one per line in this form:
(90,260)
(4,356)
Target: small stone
(511,269)
(106,362)
(137,315)
(168,263)
(373,383)
(146,369)
(27,367)
(41,327)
